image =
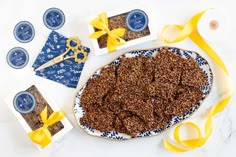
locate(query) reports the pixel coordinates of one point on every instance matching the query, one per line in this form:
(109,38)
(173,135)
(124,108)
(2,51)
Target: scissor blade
(45,65)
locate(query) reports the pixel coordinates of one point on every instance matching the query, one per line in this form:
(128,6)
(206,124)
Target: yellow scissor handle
(69,47)
(77,59)
(73,39)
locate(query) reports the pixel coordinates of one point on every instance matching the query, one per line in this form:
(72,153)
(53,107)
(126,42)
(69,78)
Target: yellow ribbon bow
(190,30)
(42,136)
(114,36)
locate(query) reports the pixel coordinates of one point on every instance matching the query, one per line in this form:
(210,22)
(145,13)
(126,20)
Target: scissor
(75,48)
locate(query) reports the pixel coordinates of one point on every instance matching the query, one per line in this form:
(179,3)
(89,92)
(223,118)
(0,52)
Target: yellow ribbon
(42,136)
(114,36)
(190,30)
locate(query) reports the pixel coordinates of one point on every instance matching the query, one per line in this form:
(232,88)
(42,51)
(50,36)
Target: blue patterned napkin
(67,72)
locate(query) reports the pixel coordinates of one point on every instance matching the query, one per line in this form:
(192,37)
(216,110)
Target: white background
(13,139)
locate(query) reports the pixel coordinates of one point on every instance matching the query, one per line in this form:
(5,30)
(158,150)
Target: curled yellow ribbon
(114,36)
(190,30)
(42,136)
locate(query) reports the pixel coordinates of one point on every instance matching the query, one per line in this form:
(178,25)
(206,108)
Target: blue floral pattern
(67,72)
(203,64)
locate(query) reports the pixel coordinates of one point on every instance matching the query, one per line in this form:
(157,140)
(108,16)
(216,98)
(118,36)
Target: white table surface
(13,139)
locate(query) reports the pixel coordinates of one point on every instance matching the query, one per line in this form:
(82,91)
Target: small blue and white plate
(54,18)
(24,32)
(203,64)
(17,58)
(24,102)
(137,20)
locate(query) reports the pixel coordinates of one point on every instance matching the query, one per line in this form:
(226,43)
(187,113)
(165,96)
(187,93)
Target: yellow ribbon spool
(114,36)
(42,136)
(190,30)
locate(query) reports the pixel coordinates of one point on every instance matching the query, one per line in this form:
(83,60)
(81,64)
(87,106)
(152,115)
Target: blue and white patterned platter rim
(203,64)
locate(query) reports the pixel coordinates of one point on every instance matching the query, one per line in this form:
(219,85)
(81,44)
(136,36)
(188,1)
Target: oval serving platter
(203,64)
